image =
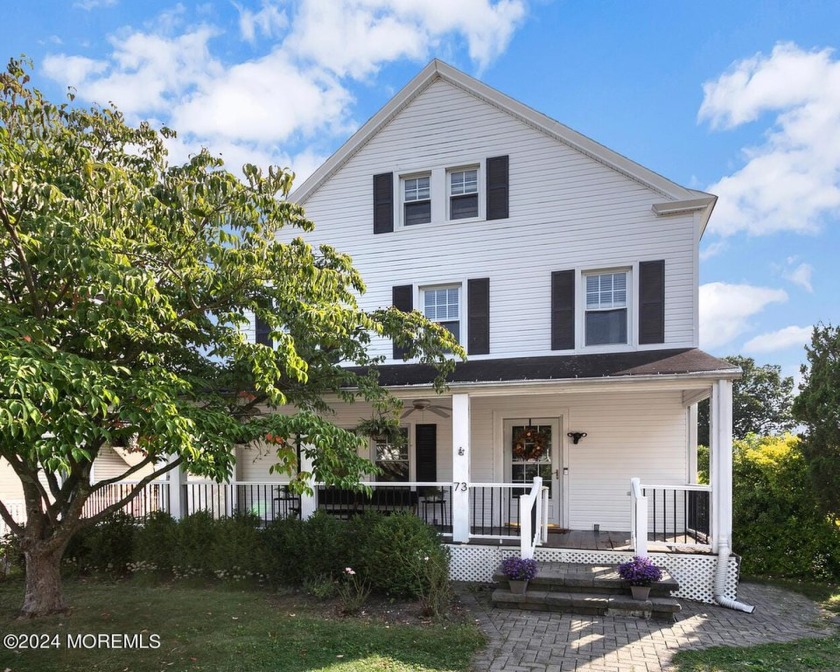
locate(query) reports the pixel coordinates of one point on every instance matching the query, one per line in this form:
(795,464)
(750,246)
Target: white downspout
(720,581)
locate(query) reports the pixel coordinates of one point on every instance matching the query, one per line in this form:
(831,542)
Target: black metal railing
(266,501)
(494,510)
(678,514)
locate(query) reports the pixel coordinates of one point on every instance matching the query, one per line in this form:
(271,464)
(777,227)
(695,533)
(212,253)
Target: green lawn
(225,629)
(804,654)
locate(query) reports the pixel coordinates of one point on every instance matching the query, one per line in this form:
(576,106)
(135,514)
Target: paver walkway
(523,641)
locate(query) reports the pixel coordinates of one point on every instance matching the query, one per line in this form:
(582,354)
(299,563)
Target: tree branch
(134,491)
(110,481)
(6,515)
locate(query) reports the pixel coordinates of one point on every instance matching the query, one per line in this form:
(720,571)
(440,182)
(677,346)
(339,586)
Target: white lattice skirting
(694,573)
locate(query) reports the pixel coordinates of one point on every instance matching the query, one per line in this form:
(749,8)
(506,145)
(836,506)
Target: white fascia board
(439,70)
(683,381)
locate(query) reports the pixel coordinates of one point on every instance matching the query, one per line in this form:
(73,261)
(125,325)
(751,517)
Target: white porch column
(176,479)
(308,503)
(460,468)
(720,462)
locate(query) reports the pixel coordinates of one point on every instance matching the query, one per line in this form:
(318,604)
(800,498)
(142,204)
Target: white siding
(568,211)
(641,434)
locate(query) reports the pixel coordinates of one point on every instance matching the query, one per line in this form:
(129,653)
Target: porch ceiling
(620,365)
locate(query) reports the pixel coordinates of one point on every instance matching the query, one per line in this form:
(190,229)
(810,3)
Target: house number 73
(460,486)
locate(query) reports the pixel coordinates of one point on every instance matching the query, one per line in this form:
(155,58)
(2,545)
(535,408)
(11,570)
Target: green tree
(761,402)
(818,408)
(125,285)
(778,526)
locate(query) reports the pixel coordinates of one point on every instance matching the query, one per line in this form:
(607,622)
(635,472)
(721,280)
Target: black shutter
(403,299)
(426,453)
(497,187)
(383,203)
(563,310)
(652,302)
(478,318)
(262,332)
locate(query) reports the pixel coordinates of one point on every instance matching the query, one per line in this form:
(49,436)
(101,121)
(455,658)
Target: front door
(532,448)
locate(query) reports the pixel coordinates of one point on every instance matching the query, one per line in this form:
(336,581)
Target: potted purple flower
(519,571)
(640,573)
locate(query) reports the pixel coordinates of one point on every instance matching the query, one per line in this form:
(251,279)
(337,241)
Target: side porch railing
(673,515)
(510,511)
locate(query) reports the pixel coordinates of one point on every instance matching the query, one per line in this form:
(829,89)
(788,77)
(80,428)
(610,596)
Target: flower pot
(518,587)
(640,592)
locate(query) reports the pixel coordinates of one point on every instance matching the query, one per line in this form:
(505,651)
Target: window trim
(462,321)
(479,192)
(403,201)
(630,307)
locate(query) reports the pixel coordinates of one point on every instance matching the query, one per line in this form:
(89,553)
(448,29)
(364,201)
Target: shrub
(106,547)
(778,527)
(395,554)
(299,551)
(155,544)
(237,552)
(192,552)
(12,559)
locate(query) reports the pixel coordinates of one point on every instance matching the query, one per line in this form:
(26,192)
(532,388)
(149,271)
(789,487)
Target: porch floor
(605,540)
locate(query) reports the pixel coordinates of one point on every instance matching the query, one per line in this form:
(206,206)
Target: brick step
(591,579)
(664,608)
(588,589)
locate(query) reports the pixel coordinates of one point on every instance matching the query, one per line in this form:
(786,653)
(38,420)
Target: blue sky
(738,98)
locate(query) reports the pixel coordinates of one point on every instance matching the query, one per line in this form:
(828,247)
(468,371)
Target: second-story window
(606,308)
(463,193)
(442,305)
(417,201)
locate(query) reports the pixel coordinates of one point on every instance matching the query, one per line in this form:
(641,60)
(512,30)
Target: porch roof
(683,361)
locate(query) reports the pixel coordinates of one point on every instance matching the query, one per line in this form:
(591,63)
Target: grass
(805,654)
(226,630)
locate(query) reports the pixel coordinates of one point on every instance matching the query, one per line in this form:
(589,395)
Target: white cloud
(790,182)
(88,5)
(779,340)
(726,309)
(297,90)
(372,32)
(713,249)
(801,275)
(270,21)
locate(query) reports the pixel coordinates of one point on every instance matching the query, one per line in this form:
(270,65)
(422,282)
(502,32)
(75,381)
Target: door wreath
(529,443)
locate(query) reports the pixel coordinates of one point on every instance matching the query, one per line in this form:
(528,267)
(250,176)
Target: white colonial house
(570,275)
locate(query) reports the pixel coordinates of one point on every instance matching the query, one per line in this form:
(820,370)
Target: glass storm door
(532,448)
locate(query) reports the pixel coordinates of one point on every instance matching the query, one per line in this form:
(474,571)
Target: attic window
(463,193)
(417,201)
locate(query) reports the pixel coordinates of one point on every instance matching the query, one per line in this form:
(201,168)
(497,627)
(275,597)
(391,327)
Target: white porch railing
(533,530)
(153,497)
(672,515)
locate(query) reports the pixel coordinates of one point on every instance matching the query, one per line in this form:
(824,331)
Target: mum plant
(519,569)
(639,571)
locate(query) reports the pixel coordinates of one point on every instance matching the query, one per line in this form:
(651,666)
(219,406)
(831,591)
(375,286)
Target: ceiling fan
(426,405)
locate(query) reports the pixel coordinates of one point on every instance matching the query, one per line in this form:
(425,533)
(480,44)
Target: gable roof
(680,199)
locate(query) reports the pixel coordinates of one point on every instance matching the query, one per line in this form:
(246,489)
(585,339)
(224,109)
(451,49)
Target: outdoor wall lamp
(576,436)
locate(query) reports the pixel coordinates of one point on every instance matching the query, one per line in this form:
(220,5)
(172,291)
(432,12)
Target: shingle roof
(565,367)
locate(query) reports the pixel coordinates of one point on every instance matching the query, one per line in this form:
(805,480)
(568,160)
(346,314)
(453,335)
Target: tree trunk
(44,594)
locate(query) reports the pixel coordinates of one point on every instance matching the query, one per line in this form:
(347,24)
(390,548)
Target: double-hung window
(463,193)
(606,308)
(443,305)
(417,200)
(392,458)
